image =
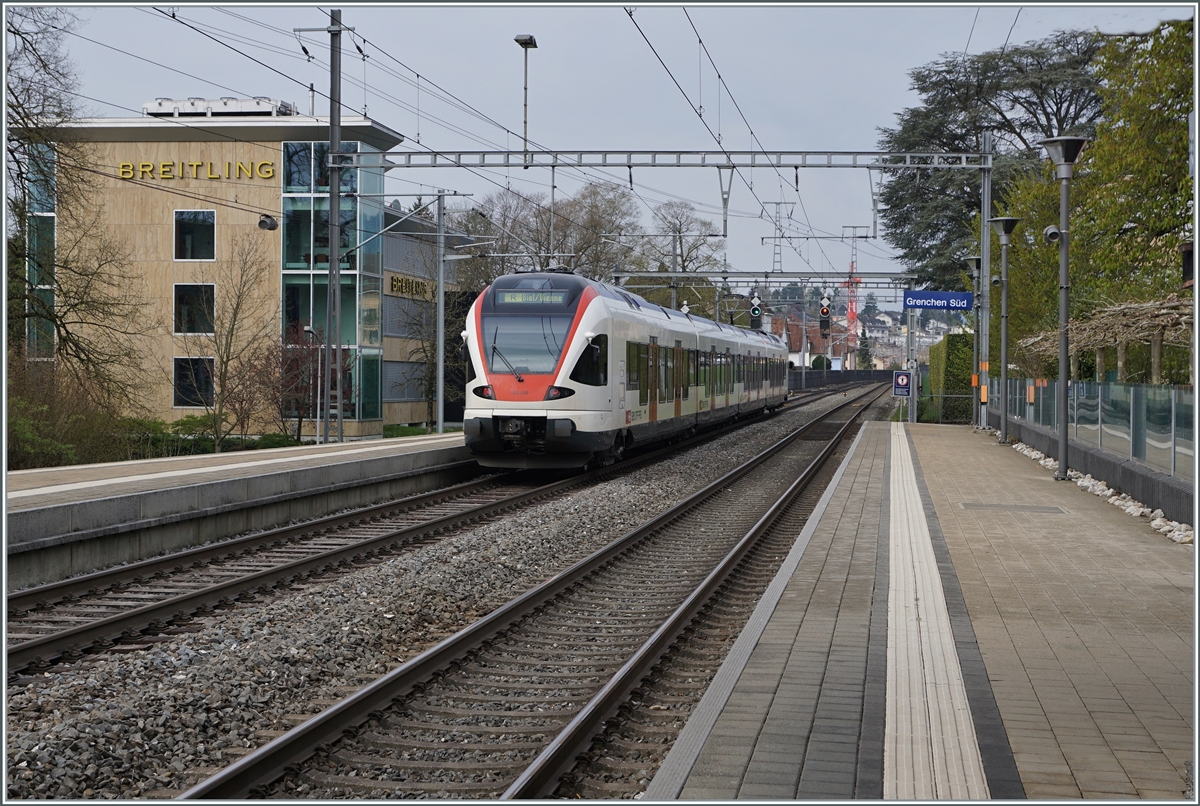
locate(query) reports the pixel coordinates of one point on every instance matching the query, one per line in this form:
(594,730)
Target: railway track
(505,707)
(129,606)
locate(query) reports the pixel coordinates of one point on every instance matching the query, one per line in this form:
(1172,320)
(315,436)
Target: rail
(270,761)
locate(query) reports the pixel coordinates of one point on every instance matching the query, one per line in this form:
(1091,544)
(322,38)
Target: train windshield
(524,344)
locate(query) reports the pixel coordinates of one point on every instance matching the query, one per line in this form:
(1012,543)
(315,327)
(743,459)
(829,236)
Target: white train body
(564,370)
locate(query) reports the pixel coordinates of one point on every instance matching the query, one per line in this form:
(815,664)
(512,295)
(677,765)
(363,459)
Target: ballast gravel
(158,719)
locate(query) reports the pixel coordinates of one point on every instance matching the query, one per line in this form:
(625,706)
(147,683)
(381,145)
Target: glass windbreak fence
(1150,423)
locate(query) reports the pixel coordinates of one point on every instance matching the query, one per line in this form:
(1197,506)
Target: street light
(1004,227)
(1063,151)
(312,337)
(527,43)
(974,262)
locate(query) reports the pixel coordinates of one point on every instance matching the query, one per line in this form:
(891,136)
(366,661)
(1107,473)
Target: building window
(297,167)
(40,263)
(195,308)
(195,234)
(193,382)
(407,318)
(403,381)
(297,234)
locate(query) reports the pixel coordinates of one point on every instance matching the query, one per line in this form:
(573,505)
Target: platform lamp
(1063,151)
(1004,227)
(527,43)
(974,262)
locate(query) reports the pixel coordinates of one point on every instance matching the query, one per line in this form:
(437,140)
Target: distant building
(187,179)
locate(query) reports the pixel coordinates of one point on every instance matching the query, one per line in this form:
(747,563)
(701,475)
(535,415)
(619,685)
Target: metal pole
(335,207)
(441,310)
(1063,318)
(551,250)
(803,340)
(912,365)
(985,282)
(1004,239)
(975,348)
(526,133)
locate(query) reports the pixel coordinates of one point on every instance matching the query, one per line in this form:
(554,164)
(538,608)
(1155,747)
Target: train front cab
(546,401)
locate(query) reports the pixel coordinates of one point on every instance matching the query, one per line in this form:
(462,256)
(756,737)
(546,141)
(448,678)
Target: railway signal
(824,317)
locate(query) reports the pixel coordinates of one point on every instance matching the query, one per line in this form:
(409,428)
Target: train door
(652,379)
(729,376)
(712,379)
(680,377)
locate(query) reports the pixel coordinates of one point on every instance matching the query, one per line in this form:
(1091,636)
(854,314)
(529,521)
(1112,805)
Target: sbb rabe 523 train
(564,371)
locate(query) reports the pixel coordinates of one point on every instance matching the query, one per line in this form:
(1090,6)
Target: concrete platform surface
(70,520)
(954,624)
(27,489)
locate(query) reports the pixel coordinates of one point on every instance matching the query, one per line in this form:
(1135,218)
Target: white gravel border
(1178,532)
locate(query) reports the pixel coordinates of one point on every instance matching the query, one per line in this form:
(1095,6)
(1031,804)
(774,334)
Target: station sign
(939,300)
(901,384)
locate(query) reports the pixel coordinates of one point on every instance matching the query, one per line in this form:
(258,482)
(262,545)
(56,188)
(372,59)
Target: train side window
(631,362)
(643,368)
(592,367)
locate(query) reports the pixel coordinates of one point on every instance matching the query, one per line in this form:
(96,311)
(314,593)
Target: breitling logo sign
(196,170)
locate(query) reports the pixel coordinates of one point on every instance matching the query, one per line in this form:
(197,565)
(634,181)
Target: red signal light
(825,310)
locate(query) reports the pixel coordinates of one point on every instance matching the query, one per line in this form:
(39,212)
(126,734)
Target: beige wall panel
(139,213)
(405,413)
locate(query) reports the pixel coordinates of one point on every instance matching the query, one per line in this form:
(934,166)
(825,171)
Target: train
(567,372)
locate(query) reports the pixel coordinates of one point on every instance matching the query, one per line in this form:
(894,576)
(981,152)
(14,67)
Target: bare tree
(245,319)
(690,242)
(71,300)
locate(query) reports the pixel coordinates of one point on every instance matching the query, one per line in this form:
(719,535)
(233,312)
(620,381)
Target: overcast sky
(813,78)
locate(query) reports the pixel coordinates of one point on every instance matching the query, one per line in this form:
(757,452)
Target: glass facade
(307,254)
(41,253)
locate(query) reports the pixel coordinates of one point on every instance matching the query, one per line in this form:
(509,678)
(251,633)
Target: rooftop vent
(219,107)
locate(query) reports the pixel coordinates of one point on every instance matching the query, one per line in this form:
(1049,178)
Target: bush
(273,441)
(390,431)
(30,438)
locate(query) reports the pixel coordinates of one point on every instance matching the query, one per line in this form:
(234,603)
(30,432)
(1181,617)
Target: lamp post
(312,337)
(1004,227)
(973,261)
(527,43)
(1063,151)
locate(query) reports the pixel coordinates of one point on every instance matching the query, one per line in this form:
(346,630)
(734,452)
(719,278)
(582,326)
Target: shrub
(273,441)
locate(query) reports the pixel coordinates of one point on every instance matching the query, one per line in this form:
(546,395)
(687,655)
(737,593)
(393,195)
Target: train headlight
(558,393)
(485,391)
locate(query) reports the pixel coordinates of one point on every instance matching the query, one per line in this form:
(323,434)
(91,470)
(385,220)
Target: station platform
(73,519)
(953,623)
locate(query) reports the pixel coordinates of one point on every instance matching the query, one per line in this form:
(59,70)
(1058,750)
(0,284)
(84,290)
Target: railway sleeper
(360,761)
(368,786)
(472,732)
(491,699)
(386,742)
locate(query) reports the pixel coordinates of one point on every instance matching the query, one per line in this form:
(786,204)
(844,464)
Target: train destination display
(531,297)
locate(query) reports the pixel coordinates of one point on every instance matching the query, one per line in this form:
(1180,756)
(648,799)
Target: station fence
(814,378)
(1151,423)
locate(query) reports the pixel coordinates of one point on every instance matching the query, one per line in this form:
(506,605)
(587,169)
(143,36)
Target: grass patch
(390,431)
